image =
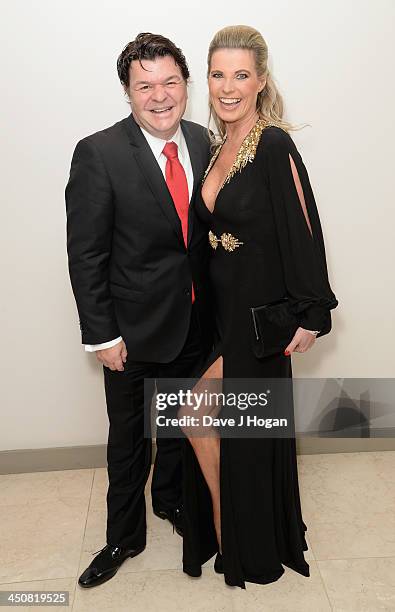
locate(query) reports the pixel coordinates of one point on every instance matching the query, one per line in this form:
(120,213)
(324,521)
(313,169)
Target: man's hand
(301,342)
(113,357)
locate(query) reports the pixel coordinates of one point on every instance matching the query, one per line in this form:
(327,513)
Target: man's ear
(126,92)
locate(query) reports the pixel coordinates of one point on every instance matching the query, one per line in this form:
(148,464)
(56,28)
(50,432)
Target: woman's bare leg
(207,450)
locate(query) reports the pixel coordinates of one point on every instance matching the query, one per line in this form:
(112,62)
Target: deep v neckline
(245,154)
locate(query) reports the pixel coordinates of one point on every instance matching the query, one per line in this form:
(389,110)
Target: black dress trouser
(129,452)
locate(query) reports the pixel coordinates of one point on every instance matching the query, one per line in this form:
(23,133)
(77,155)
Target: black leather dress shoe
(174,516)
(106,564)
(218,564)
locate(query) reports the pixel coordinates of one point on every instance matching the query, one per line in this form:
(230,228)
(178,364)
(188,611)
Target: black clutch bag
(274,326)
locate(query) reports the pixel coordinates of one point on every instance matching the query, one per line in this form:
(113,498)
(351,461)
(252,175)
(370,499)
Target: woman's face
(234,84)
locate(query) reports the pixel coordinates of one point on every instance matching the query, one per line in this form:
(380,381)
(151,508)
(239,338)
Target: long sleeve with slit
(302,251)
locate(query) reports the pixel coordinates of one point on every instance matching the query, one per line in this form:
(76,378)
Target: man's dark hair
(147,46)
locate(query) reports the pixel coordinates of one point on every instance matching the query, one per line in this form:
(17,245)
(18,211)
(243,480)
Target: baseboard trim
(85,457)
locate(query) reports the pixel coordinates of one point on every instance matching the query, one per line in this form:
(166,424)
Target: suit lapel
(153,174)
(197,169)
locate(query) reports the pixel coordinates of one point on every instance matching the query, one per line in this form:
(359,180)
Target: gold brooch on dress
(229,242)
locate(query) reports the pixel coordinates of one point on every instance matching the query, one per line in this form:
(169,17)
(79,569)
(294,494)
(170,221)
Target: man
(137,262)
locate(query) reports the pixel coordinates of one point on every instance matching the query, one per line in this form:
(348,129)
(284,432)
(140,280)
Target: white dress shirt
(156,146)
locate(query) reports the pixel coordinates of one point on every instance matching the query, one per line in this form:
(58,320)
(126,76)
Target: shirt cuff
(312,332)
(91,348)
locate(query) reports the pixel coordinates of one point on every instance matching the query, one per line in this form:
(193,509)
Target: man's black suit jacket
(130,271)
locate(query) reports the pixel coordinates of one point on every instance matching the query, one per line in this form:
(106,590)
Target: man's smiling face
(158,95)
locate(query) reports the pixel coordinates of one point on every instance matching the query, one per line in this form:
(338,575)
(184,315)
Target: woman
(241,496)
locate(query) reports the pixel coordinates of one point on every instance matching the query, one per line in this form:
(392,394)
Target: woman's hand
(301,342)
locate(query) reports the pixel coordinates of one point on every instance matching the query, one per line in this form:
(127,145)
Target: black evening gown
(258,205)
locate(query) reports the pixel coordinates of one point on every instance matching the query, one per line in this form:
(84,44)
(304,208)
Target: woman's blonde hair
(269,101)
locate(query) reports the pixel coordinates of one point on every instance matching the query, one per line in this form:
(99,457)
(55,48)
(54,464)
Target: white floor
(51,523)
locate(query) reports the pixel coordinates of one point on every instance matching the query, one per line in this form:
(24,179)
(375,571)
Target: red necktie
(178,186)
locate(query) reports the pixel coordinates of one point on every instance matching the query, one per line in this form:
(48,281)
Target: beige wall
(334,63)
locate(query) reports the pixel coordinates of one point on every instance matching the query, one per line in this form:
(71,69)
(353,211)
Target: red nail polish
(286,353)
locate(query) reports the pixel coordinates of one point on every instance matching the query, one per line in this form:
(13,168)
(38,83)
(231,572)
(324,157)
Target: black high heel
(218,564)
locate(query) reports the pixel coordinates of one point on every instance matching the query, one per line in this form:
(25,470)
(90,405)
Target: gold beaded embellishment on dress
(213,239)
(246,152)
(229,242)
